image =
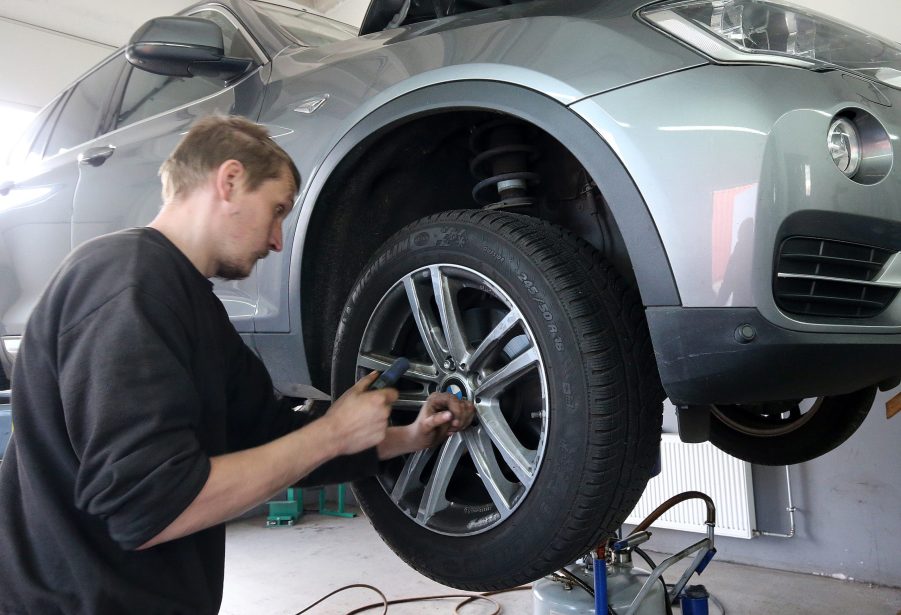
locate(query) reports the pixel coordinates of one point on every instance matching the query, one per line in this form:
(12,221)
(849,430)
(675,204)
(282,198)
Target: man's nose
(275,240)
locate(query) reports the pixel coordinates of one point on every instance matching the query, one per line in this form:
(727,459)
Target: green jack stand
(285,512)
(338,512)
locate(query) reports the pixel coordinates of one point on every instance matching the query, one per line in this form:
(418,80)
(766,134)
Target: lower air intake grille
(833,278)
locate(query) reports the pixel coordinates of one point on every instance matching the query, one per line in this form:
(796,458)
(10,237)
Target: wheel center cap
(455,387)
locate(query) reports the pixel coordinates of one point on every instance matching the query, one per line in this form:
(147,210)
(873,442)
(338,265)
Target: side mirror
(183,47)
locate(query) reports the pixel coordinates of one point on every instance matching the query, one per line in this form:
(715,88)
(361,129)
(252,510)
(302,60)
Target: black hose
(676,499)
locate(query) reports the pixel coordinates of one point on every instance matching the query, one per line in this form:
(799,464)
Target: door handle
(95,156)
(6,186)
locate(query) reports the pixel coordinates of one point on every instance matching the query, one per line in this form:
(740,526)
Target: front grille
(847,294)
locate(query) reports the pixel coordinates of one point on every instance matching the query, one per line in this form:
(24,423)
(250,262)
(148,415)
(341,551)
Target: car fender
(651,267)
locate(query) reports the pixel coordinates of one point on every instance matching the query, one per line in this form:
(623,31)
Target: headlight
(769,31)
(844,145)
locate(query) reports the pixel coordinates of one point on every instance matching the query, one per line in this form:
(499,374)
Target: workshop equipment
(288,511)
(693,601)
(606,582)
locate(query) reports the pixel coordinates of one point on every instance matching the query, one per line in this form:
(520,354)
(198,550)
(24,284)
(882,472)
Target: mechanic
(142,420)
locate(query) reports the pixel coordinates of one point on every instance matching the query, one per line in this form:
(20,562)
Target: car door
(119,186)
(37,191)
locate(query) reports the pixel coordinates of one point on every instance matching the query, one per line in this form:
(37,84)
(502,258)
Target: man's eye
(280,210)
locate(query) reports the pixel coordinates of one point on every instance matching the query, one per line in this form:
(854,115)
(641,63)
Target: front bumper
(735,355)
(733,172)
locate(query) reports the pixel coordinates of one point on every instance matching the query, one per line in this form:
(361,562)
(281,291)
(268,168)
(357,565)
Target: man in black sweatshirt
(142,420)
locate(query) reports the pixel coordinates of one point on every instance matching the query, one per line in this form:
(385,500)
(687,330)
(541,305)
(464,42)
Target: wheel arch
(336,234)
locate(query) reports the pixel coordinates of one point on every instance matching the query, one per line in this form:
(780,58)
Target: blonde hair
(215,139)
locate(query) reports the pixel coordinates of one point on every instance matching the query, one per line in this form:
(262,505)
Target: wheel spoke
(498,381)
(499,488)
(410,476)
(493,339)
(520,459)
(445,290)
(379,362)
(429,330)
(434,498)
(410,401)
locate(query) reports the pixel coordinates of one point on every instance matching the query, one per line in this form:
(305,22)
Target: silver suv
(565,210)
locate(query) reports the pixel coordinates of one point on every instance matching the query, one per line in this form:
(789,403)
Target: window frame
(103,116)
(262,56)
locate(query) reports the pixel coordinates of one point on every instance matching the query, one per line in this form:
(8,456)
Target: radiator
(700,467)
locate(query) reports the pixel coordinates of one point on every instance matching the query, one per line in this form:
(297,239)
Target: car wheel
(539,331)
(784,433)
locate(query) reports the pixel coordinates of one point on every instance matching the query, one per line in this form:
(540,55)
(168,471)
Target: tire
(780,434)
(580,425)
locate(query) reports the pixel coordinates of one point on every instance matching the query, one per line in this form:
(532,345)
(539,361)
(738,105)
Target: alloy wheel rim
(779,422)
(463,334)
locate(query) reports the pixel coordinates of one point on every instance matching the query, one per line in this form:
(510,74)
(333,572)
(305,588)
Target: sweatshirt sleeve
(131,411)
(257,416)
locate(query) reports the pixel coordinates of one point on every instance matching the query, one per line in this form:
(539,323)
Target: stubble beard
(234,271)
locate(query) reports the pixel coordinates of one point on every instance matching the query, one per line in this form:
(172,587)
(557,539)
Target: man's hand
(359,418)
(440,415)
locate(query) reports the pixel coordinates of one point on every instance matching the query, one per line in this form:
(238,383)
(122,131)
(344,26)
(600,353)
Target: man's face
(254,225)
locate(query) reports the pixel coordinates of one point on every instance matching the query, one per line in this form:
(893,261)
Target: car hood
(567,49)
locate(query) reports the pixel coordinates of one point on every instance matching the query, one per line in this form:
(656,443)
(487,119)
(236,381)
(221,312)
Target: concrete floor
(282,570)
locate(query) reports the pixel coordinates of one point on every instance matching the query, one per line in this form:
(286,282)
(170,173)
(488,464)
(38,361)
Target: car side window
(83,113)
(148,94)
(30,146)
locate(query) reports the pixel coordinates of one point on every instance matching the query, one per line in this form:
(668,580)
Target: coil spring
(501,163)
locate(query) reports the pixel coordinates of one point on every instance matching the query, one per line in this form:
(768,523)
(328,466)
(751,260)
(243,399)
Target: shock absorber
(502,156)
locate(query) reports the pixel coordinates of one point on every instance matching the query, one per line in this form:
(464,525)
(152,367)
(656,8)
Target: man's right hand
(359,418)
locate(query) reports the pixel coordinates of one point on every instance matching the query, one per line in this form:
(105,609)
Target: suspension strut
(502,156)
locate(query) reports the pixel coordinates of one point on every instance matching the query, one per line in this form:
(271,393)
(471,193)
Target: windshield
(308,28)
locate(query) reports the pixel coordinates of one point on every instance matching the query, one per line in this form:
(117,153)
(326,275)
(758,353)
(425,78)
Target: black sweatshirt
(129,378)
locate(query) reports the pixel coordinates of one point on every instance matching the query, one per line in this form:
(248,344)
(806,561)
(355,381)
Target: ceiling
(48,43)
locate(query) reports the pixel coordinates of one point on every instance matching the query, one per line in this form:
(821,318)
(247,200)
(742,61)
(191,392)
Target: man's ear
(229,176)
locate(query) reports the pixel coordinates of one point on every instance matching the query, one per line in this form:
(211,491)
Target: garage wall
(849,509)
